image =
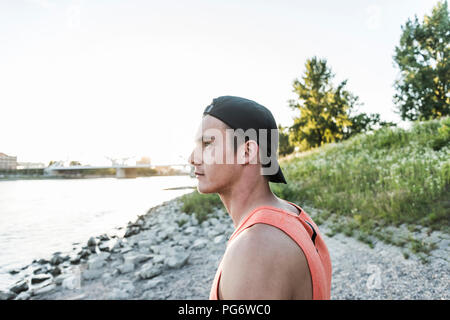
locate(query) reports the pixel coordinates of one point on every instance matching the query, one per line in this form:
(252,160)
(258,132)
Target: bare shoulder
(264,263)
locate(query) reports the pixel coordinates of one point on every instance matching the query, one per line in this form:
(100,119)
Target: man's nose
(191,158)
(195,157)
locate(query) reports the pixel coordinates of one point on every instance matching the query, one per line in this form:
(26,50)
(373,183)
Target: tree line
(329,112)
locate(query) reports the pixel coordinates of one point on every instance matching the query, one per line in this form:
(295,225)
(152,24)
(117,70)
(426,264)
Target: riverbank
(168,254)
(85,176)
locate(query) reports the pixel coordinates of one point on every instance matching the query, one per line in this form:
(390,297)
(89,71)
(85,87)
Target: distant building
(7,162)
(30,165)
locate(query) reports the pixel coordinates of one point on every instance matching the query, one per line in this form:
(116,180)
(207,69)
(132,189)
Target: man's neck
(245,196)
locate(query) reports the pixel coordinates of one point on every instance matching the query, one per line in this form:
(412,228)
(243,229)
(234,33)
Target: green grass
(201,205)
(391,176)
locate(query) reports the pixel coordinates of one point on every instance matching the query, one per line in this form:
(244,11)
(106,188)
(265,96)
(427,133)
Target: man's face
(213,157)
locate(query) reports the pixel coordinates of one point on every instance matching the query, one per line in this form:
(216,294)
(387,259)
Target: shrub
(202,205)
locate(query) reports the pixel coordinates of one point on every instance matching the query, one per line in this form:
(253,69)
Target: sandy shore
(167,254)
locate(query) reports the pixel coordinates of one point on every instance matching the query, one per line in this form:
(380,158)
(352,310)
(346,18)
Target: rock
(103,255)
(115,273)
(92,242)
(55,271)
(194,220)
(177,237)
(214,221)
(40,278)
(9,295)
(205,224)
(126,267)
(156,249)
(84,253)
(104,246)
(23,296)
(171,230)
(75,259)
(107,277)
(91,274)
(103,237)
(126,249)
(150,270)
(41,270)
(159,258)
(43,290)
(199,243)
(116,247)
(162,235)
(14,271)
(190,230)
(185,242)
(182,217)
(57,259)
(177,261)
(59,279)
(214,232)
(150,284)
(96,263)
(173,250)
(19,287)
(131,231)
(146,243)
(136,258)
(71,282)
(43,261)
(219,239)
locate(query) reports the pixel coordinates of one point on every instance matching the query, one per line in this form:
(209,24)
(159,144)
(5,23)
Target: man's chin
(201,188)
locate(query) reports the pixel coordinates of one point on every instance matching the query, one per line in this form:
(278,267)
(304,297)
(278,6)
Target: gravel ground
(360,272)
(157,242)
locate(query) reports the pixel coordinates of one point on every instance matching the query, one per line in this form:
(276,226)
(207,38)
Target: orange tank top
(304,232)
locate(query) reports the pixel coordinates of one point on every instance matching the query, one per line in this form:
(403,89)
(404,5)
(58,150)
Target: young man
(276,250)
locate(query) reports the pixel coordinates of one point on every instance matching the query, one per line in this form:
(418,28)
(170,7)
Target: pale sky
(81,80)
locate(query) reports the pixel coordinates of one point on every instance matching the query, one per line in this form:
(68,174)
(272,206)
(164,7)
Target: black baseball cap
(241,113)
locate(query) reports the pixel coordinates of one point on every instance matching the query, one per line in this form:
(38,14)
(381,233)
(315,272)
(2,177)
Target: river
(40,217)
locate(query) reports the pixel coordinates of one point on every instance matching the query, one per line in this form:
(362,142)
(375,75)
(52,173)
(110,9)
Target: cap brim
(278,177)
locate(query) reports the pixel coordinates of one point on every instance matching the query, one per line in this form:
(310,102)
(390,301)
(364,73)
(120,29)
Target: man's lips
(199,174)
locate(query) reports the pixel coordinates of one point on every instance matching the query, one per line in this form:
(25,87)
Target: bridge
(122,171)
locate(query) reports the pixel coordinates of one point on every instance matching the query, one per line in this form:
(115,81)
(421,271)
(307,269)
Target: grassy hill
(391,176)
(388,177)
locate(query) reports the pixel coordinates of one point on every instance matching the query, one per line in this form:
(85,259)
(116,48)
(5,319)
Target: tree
(284,145)
(323,108)
(423,59)
(363,122)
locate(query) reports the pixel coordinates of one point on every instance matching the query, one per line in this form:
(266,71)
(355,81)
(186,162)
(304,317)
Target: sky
(87,80)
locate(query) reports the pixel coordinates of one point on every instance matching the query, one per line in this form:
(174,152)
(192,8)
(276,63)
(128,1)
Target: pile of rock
(151,251)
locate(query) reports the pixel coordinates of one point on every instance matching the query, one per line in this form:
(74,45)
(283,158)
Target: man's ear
(249,152)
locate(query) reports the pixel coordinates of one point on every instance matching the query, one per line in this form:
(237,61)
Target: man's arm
(264,263)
